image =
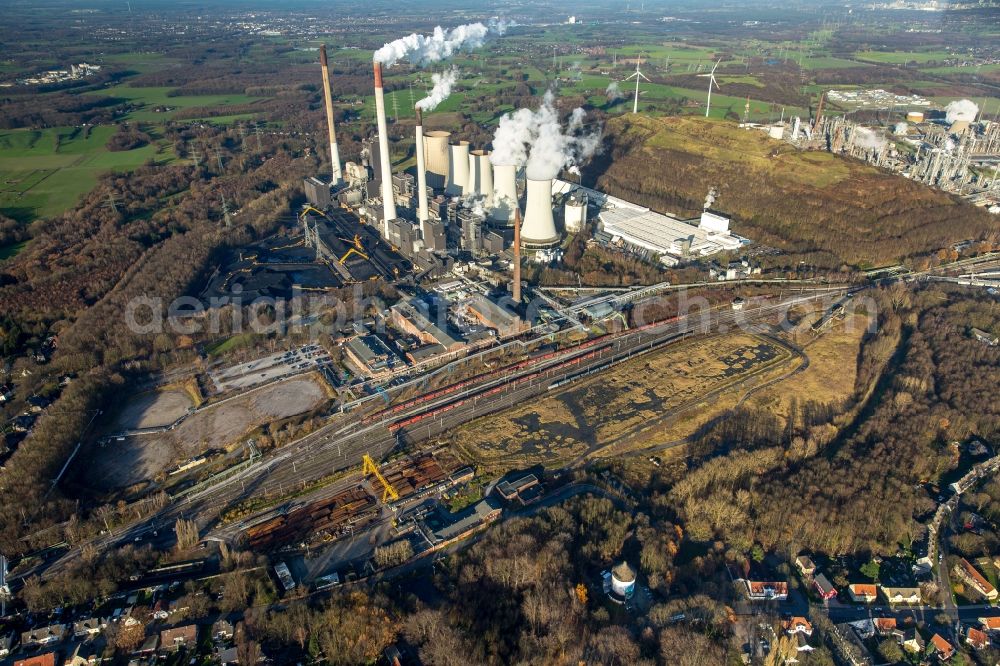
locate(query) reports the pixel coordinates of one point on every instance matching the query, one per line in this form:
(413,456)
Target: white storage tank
(576,212)
(623,580)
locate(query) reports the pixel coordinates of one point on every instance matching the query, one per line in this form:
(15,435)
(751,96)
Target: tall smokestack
(421,170)
(328,101)
(481,175)
(539,226)
(458,172)
(388,202)
(504,194)
(517,255)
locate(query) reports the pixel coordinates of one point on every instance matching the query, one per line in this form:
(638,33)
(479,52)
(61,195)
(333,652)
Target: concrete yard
(268,368)
(120,464)
(153,410)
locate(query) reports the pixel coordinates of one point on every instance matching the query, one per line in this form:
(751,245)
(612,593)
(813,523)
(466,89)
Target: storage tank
(436,157)
(623,580)
(481,175)
(915,116)
(539,227)
(458,172)
(504,195)
(576,212)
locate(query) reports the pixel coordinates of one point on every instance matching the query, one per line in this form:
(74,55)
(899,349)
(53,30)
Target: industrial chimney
(504,194)
(539,228)
(458,172)
(421,170)
(328,101)
(388,202)
(516,290)
(436,154)
(481,175)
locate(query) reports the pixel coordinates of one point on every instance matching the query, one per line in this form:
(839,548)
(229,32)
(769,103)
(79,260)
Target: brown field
(137,459)
(625,406)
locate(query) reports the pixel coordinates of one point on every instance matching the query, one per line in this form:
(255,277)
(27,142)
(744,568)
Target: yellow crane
(308,209)
(368,466)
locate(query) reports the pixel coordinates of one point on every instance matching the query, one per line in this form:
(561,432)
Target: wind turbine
(711,80)
(638,75)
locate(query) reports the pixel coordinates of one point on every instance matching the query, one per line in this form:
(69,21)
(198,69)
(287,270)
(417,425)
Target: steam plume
(963,109)
(537,140)
(443,83)
(441,44)
(866,138)
(613,93)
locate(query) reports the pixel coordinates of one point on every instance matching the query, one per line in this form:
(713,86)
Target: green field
(901,57)
(45,172)
(148,98)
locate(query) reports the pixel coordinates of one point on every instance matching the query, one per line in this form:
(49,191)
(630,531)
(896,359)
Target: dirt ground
(121,464)
(619,403)
(154,409)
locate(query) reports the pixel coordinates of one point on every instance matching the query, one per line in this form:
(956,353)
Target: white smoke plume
(900,128)
(441,44)
(613,92)
(866,138)
(536,140)
(963,109)
(443,84)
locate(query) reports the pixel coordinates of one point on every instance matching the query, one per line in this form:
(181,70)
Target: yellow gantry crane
(310,209)
(357,247)
(368,466)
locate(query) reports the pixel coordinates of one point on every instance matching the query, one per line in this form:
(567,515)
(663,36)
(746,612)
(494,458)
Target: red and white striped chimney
(388,201)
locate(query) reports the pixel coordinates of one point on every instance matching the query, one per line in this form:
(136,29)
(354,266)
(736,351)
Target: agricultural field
(150,98)
(628,405)
(44,172)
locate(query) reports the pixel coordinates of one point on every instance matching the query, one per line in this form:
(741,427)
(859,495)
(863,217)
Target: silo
(481,175)
(436,155)
(458,172)
(576,212)
(504,194)
(539,228)
(623,580)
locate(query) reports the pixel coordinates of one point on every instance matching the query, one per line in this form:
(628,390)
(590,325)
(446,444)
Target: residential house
(910,640)
(824,587)
(6,393)
(805,564)
(977,639)
(942,648)
(766,590)
(148,647)
(884,626)
(798,625)
(222,630)
(984,337)
(6,644)
(82,654)
(178,637)
(40,636)
(968,573)
(160,610)
(47,659)
(901,595)
(863,593)
(229,657)
(37,404)
(89,628)
(990,624)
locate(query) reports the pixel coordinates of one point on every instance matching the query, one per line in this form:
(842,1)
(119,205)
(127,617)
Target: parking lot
(268,368)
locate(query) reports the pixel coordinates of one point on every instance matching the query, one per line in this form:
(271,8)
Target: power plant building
(493,316)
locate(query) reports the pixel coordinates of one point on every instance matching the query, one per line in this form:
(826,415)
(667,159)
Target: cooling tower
(330,128)
(421,170)
(388,201)
(504,194)
(539,228)
(481,175)
(458,172)
(436,155)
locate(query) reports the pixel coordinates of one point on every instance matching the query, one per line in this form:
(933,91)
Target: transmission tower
(112,202)
(225,212)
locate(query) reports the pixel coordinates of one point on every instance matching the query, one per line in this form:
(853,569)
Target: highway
(340,445)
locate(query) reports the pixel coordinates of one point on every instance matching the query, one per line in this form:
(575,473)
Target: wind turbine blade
(631,76)
(716,84)
(716,65)
(643,75)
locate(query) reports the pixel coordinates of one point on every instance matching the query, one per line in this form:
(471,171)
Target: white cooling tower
(576,213)
(436,154)
(421,170)
(481,175)
(388,200)
(458,172)
(539,228)
(504,194)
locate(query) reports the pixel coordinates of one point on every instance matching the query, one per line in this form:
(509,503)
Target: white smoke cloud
(536,140)
(963,109)
(900,128)
(866,138)
(613,92)
(441,44)
(443,84)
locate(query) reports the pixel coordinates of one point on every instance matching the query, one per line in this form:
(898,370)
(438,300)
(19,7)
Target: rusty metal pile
(354,508)
(415,474)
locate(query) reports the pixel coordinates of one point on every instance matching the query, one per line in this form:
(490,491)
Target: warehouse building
(493,316)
